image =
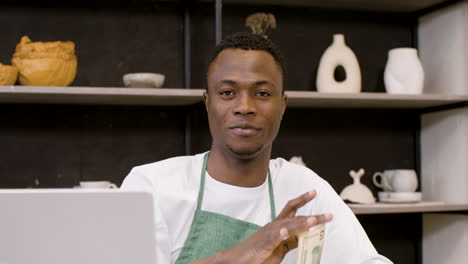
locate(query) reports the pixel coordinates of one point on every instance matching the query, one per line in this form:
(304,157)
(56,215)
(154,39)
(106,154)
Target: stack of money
(310,246)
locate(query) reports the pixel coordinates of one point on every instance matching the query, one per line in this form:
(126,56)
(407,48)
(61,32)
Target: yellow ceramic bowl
(8,74)
(45,63)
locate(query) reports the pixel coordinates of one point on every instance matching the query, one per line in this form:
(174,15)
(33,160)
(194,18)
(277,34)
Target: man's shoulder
(168,164)
(174,170)
(174,164)
(295,174)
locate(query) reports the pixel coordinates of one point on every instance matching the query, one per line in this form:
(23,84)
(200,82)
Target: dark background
(56,146)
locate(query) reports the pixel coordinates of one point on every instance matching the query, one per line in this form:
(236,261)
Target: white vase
(338,54)
(403,73)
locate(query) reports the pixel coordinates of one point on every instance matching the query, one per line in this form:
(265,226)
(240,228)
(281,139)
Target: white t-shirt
(175,183)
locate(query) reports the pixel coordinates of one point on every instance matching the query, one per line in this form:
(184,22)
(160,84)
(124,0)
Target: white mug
(396,180)
(97,185)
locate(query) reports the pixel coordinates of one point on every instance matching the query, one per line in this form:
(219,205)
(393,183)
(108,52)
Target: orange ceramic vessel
(45,63)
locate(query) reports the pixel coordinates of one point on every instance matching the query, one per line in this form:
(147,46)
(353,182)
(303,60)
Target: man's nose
(245,105)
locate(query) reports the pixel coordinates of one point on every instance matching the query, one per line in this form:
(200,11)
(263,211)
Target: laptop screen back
(76,227)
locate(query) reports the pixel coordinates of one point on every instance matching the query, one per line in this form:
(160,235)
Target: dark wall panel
(396,236)
(333,142)
(59,145)
(109,41)
(303,34)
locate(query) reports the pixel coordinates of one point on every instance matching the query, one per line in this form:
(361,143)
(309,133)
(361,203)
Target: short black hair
(250,41)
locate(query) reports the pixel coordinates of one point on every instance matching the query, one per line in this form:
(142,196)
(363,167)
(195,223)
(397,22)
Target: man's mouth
(244,130)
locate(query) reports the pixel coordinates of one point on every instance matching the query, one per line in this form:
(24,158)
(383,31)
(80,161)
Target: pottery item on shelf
(144,80)
(357,192)
(338,54)
(8,74)
(403,73)
(297,160)
(97,185)
(399,197)
(396,180)
(259,23)
(45,63)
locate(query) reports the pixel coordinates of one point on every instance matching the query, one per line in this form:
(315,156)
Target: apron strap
(272,197)
(202,182)
(202,188)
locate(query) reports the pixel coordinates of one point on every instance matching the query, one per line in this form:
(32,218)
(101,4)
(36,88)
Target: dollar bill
(310,246)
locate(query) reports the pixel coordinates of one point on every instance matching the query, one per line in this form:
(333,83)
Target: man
(220,206)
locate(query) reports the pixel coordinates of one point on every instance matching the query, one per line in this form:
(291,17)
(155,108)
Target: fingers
(281,230)
(282,234)
(293,205)
(291,242)
(299,224)
(319,219)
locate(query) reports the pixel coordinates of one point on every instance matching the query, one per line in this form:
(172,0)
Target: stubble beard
(246,154)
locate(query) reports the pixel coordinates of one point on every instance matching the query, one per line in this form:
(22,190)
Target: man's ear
(205,99)
(284,103)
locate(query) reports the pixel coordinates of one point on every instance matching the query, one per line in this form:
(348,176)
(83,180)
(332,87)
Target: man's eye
(263,94)
(227,93)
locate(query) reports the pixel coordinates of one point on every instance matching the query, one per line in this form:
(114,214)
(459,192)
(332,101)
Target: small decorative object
(144,80)
(259,23)
(45,63)
(400,197)
(398,180)
(8,74)
(399,186)
(403,73)
(297,160)
(97,185)
(338,54)
(357,192)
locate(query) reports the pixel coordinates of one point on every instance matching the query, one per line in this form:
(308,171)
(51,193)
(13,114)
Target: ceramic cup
(97,185)
(396,180)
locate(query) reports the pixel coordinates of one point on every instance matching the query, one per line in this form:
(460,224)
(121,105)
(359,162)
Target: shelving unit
(176,96)
(96,128)
(421,207)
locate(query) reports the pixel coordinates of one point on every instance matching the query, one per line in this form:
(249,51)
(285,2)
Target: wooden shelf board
(175,96)
(370,100)
(369,5)
(421,207)
(99,95)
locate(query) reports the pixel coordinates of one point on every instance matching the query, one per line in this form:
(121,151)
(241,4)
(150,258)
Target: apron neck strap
(202,188)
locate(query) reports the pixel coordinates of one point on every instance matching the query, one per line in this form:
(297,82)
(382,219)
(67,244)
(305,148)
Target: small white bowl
(400,197)
(144,80)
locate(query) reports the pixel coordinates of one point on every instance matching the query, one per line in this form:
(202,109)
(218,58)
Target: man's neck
(227,168)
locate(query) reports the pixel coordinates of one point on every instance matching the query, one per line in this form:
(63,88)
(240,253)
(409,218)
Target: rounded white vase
(338,54)
(403,73)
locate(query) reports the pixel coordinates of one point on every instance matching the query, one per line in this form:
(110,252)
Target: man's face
(245,102)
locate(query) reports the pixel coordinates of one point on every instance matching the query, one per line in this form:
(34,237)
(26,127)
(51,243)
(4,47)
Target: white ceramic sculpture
(338,54)
(297,160)
(403,73)
(357,192)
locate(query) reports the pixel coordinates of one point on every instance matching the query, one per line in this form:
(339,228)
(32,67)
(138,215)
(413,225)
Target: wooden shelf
(99,95)
(369,5)
(421,207)
(371,100)
(142,96)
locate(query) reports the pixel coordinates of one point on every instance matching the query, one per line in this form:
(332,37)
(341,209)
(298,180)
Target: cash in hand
(310,246)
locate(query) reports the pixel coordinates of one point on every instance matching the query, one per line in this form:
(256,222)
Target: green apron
(211,233)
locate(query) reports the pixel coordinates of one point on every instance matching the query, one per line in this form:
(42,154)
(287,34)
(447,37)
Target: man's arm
(345,239)
(271,242)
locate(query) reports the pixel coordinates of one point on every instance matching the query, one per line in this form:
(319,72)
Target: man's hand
(271,242)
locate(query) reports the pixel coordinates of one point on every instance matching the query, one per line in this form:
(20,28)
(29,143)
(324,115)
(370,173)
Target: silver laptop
(71,226)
